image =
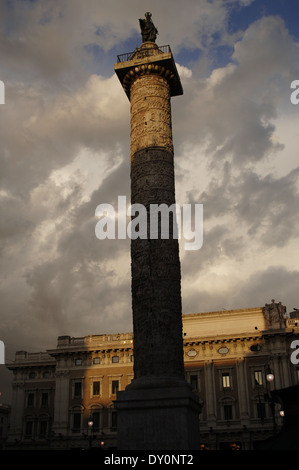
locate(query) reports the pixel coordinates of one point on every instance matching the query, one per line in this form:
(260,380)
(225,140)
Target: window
(96,360)
(194,382)
(228,412)
(76,421)
(46,374)
(78,362)
(115,359)
(30,399)
(77,389)
(43,428)
(113,420)
(96,388)
(114,387)
(261,410)
(45,399)
(28,428)
(258,377)
(227,408)
(96,421)
(32,375)
(226,381)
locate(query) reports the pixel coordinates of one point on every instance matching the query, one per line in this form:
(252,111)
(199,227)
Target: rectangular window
(261,410)
(194,382)
(77,389)
(30,399)
(113,420)
(258,377)
(96,421)
(96,388)
(96,360)
(76,422)
(115,359)
(45,399)
(114,387)
(226,382)
(43,428)
(28,428)
(228,412)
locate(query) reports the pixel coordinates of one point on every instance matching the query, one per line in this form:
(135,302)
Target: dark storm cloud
(266,205)
(274,282)
(85,274)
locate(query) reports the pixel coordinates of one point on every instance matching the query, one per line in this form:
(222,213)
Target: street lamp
(90,424)
(270,399)
(269,375)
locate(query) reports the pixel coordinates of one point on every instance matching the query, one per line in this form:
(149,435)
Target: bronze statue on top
(148,30)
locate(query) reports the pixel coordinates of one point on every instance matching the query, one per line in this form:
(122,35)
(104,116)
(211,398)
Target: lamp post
(269,375)
(90,425)
(270,378)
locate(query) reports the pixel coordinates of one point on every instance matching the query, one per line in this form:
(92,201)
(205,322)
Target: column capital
(148,59)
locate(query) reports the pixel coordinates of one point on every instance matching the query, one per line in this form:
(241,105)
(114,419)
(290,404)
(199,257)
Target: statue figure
(275,315)
(148,30)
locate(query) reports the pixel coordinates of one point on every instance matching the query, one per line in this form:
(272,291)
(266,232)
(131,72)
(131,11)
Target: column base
(158,414)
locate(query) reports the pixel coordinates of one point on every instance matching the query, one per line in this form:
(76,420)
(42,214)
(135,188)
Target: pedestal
(161,415)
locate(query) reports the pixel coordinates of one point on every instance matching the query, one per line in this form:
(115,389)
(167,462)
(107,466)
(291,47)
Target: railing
(139,53)
(23,356)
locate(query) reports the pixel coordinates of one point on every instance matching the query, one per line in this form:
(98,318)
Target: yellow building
(64,398)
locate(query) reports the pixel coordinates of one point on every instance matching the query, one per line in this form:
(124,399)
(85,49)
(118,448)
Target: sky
(65,149)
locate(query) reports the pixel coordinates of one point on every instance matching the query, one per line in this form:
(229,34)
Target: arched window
(112,418)
(96,415)
(43,425)
(76,414)
(29,427)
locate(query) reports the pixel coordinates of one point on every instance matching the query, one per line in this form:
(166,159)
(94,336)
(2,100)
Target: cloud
(65,149)
(236,132)
(252,290)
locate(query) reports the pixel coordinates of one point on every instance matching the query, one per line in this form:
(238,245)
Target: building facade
(64,398)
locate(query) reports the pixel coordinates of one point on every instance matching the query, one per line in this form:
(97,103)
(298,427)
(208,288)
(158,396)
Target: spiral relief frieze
(150,113)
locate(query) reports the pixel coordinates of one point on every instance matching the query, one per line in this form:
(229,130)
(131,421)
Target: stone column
(16,418)
(156,277)
(243,391)
(61,413)
(210,394)
(158,409)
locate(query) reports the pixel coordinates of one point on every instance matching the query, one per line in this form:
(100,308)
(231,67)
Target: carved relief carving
(150,113)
